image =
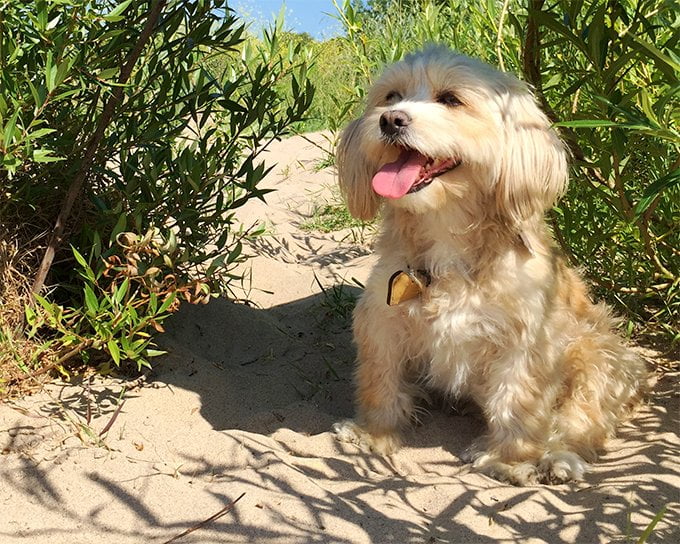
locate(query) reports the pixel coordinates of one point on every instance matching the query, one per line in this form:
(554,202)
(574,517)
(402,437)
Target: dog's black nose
(394,121)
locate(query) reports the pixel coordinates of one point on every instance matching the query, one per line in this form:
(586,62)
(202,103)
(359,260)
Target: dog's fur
(504,321)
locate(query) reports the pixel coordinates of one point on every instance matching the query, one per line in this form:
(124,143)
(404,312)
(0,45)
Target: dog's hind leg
(605,380)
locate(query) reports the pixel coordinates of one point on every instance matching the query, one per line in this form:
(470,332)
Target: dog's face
(440,128)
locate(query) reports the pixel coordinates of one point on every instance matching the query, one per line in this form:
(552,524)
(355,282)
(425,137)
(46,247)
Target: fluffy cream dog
(466,165)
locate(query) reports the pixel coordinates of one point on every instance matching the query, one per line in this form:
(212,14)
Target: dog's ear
(355,171)
(533,173)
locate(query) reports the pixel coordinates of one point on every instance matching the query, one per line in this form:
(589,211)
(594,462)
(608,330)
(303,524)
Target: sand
(242,406)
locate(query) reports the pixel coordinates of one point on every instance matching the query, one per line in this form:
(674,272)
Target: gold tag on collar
(403,286)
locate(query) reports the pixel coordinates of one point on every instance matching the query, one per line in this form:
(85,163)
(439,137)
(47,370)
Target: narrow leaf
(114,350)
(168,301)
(121,291)
(114,15)
(91,300)
(9,129)
(651,192)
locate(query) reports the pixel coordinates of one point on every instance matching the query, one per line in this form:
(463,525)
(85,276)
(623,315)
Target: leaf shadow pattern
(250,396)
(425,493)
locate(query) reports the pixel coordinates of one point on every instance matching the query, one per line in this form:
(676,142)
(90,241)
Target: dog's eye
(392,96)
(448,99)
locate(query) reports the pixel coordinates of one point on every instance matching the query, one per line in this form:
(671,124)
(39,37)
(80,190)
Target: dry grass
(19,355)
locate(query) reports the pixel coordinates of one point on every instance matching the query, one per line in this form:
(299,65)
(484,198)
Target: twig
(531,68)
(121,401)
(88,413)
(80,347)
(93,145)
(212,518)
(499,37)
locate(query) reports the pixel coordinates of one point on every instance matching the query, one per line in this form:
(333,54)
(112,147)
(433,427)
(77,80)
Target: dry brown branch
(54,364)
(114,416)
(93,145)
(212,518)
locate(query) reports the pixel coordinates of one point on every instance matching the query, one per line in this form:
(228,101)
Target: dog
(470,296)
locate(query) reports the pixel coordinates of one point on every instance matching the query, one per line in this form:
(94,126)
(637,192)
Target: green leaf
(114,15)
(39,133)
(167,302)
(91,301)
(657,53)
(215,264)
(553,24)
(31,316)
(125,344)
(587,123)
(235,252)
(46,305)
(120,291)
(79,258)
(650,528)
(69,339)
(50,72)
(646,106)
(119,227)
(10,126)
(664,183)
(62,71)
(45,155)
(108,73)
(154,352)
(114,351)
(86,270)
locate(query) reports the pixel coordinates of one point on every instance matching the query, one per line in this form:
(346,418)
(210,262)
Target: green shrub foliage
(125,99)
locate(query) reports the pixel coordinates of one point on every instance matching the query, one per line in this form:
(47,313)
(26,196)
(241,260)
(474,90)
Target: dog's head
(441,127)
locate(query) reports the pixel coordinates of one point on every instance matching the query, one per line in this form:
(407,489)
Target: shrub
(116,109)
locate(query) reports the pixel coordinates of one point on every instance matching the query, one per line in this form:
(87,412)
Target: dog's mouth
(410,173)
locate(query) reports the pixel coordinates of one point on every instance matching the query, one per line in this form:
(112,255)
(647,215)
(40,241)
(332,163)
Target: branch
(93,145)
(531,68)
(85,344)
(212,518)
(499,37)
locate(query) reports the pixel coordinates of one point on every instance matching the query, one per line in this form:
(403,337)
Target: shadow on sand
(263,362)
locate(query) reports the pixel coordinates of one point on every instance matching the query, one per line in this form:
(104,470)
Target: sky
(301,15)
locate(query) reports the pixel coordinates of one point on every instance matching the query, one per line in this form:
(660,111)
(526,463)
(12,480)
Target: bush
(328,65)
(120,138)
(332,73)
(607,74)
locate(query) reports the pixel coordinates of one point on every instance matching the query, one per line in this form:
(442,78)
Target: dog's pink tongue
(394,179)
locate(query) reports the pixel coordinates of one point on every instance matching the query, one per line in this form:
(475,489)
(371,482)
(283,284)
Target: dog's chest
(465,321)
(459,329)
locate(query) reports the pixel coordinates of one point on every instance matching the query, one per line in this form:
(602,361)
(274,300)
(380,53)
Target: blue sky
(301,15)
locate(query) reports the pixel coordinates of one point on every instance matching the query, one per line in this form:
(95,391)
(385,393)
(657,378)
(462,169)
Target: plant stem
(531,68)
(499,37)
(93,144)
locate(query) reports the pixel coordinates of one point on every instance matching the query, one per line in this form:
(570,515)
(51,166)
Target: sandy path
(243,404)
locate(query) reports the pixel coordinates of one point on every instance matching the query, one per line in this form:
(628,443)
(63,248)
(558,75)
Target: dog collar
(407,284)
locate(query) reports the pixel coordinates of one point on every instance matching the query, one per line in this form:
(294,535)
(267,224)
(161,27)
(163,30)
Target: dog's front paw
(522,474)
(558,467)
(349,431)
(553,468)
(474,451)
